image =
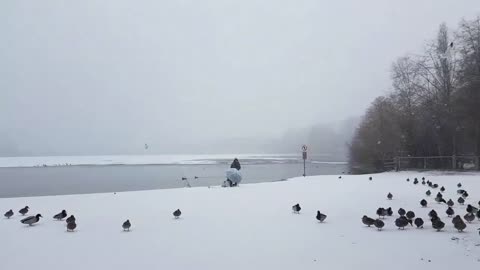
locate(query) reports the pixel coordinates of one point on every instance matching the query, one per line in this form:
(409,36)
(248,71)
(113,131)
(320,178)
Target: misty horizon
(90,77)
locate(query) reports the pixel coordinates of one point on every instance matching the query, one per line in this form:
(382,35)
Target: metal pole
(304,172)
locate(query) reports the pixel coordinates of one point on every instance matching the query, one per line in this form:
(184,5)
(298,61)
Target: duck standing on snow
(401,222)
(24,210)
(415,181)
(126,225)
(450,203)
(389,196)
(381,212)
(440,200)
(321,217)
(423,203)
(378,223)
(70,219)
(296,208)
(450,211)
(389,211)
(410,215)
(442,189)
(465,195)
(423,182)
(419,223)
(437,224)
(401,212)
(432,214)
(435,185)
(31,220)
(469,217)
(9,213)
(460,225)
(471,209)
(368,221)
(60,215)
(428,193)
(456,219)
(177,213)
(461,200)
(71,226)
(459,185)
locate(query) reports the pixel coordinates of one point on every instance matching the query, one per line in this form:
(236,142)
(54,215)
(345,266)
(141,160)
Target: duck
(31,219)
(423,203)
(401,212)
(401,222)
(24,210)
(71,226)
(379,224)
(177,213)
(126,225)
(435,185)
(60,215)
(472,209)
(456,219)
(459,185)
(389,196)
(432,214)
(450,211)
(9,213)
(419,223)
(70,219)
(428,193)
(368,221)
(469,217)
(442,189)
(370,178)
(438,225)
(440,200)
(415,182)
(410,215)
(450,203)
(465,195)
(408,179)
(321,217)
(460,225)
(461,200)
(461,191)
(423,182)
(389,211)
(381,212)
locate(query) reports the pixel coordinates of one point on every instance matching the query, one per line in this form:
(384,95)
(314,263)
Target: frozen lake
(62,180)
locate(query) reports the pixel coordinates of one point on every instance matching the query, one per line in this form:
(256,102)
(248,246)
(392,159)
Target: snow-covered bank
(250,227)
(135,159)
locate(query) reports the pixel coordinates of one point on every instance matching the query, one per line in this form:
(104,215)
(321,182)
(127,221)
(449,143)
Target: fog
(106,77)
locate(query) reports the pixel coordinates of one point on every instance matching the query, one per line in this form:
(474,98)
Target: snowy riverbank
(250,227)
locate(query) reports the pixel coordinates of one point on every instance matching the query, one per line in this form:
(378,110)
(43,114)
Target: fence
(433,163)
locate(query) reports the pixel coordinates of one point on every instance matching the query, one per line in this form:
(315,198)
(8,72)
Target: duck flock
(71,222)
(406,218)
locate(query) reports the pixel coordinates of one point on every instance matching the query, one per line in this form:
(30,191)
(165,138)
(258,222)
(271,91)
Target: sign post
(304,156)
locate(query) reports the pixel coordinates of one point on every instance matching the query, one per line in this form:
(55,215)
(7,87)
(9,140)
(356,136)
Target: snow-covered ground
(249,227)
(133,159)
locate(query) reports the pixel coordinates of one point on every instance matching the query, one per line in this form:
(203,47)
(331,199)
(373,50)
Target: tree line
(433,108)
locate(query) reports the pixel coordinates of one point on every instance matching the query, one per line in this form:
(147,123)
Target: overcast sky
(107,76)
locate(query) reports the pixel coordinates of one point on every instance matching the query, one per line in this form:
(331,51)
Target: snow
(249,227)
(134,159)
